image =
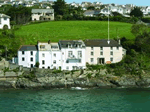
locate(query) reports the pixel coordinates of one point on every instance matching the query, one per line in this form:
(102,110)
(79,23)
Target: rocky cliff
(12,77)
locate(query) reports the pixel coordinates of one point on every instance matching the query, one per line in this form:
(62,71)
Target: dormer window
(5,18)
(42,46)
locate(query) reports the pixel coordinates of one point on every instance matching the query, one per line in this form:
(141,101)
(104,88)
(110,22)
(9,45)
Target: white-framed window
(101,48)
(70,53)
(43,55)
(111,53)
(101,53)
(111,48)
(22,52)
(92,60)
(80,54)
(111,59)
(31,52)
(5,18)
(43,62)
(54,54)
(92,48)
(117,48)
(23,59)
(92,53)
(79,60)
(54,61)
(67,67)
(31,59)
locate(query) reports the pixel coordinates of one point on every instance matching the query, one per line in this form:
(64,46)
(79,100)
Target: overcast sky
(120,2)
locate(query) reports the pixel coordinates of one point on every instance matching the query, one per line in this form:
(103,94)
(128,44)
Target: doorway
(101,61)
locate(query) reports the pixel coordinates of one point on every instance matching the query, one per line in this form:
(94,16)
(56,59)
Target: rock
(10,74)
(142,83)
(1,73)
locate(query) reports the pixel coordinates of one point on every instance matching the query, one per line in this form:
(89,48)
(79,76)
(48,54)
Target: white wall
(27,56)
(4,22)
(74,62)
(117,54)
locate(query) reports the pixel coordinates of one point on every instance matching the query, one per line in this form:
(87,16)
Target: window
(5,18)
(67,61)
(22,52)
(80,54)
(43,55)
(79,60)
(101,48)
(43,67)
(69,53)
(54,62)
(31,52)
(31,65)
(101,53)
(43,62)
(67,67)
(92,59)
(54,54)
(92,53)
(117,48)
(111,48)
(111,53)
(42,46)
(23,59)
(91,48)
(31,59)
(48,67)
(62,53)
(111,59)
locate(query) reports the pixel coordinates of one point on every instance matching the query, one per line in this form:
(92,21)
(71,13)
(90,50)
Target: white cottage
(27,56)
(100,52)
(4,21)
(72,54)
(49,55)
(42,14)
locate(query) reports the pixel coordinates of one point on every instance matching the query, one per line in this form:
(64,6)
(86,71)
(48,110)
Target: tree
(91,8)
(136,12)
(60,7)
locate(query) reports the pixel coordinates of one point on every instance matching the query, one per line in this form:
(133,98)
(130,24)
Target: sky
(120,2)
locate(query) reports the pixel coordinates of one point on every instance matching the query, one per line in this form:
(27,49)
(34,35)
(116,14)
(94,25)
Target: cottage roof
(42,10)
(64,43)
(101,43)
(28,48)
(3,15)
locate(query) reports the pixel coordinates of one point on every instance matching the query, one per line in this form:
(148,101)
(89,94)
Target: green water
(67,100)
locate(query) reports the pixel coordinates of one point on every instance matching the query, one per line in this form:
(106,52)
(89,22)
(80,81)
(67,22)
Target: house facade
(70,54)
(100,52)
(27,56)
(4,21)
(42,14)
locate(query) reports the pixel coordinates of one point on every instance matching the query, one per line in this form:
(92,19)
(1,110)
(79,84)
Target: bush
(56,71)
(89,75)
(37,64)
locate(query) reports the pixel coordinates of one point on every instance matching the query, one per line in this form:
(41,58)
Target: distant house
(91,13)
(42,14)
(4,21)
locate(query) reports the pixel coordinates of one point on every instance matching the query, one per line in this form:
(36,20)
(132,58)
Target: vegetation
(37,64)
(136,12)
(71,30)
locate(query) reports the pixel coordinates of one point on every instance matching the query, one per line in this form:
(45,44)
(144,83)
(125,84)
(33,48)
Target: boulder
(1,73)
(10,74)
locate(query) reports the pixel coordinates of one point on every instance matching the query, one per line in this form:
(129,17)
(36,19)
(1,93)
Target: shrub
(89,75)
(56,71)
(37,64)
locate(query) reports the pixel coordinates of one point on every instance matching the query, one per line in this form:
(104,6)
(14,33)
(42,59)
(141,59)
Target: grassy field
(72,30)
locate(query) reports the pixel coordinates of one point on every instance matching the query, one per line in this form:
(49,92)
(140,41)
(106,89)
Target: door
(101,61)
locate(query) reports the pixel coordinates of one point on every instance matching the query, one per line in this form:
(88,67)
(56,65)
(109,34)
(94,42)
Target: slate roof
(89,12)
(42,10)
(28,48)
(101,43)
(64,43)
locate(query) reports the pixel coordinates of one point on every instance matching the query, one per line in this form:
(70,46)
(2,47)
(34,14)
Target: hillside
(61,30)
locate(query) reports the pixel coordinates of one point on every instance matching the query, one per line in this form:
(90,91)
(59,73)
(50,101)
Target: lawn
(72,30)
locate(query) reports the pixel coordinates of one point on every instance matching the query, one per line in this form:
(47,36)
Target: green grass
(72,30)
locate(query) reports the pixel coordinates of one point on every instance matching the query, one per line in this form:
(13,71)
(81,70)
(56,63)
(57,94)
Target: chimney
(49,42)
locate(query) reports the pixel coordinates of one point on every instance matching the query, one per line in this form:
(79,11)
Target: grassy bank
(66,30)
